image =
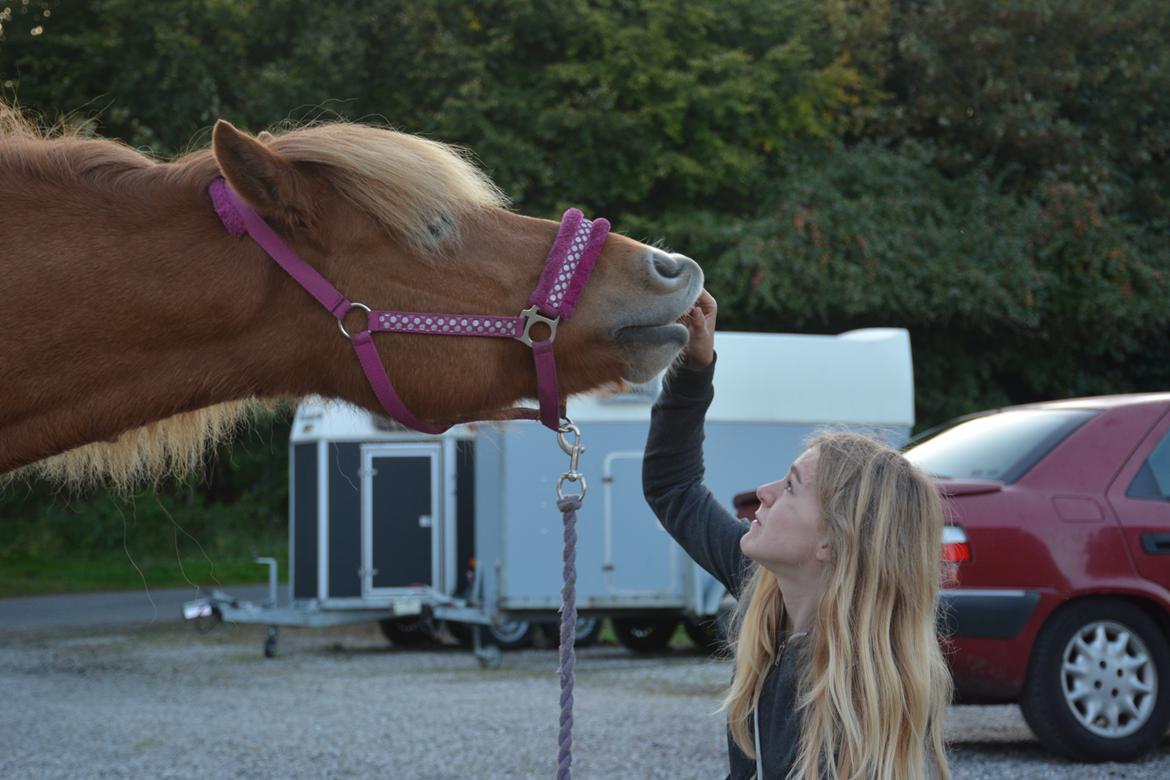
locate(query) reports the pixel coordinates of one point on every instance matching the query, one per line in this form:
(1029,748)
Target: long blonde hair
(875,687)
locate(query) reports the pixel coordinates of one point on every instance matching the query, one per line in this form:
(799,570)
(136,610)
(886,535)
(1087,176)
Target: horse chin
(648,350)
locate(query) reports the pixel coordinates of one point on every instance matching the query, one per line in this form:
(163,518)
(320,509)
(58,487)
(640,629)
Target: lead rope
(568,504)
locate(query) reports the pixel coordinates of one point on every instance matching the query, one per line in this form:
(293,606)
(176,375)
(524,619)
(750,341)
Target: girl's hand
(700,321)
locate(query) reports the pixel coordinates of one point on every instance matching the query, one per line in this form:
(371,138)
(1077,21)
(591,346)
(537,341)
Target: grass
(79,572)
(203,528)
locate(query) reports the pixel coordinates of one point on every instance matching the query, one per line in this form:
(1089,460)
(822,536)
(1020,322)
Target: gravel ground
(164,701)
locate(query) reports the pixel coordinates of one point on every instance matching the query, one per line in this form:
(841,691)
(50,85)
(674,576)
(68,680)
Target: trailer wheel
(487,652)
(645,635)
(586,634)
(489,657)
(406,632)
(513,634)
(208,623)
(708,634)
(270,643)
(460,631)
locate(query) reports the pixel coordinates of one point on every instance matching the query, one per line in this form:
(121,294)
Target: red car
(1059,523)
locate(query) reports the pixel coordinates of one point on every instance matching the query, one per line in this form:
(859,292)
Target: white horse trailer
(405,528)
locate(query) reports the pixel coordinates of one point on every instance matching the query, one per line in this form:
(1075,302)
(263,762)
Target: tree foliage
(993,176)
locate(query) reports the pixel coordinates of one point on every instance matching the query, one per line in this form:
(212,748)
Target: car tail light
(956,548)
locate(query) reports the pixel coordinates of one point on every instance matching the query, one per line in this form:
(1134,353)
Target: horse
(135,332)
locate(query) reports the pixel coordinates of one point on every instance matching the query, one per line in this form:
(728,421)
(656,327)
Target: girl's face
(787,533)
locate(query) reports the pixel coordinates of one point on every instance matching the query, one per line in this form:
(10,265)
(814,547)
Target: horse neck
(122,310)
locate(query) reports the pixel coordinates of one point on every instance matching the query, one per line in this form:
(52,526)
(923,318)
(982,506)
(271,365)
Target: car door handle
(1156,544)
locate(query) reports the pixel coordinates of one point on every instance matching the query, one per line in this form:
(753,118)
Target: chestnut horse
(135,331)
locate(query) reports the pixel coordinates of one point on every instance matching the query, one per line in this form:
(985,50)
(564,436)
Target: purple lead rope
(569,507)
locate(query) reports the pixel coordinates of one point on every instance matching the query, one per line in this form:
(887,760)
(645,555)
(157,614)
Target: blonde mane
(413,187)
(174,447)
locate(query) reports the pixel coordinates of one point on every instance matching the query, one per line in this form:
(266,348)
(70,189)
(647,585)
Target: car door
(1140,495)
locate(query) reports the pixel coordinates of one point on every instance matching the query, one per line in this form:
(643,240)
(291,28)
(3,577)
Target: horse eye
(439,227)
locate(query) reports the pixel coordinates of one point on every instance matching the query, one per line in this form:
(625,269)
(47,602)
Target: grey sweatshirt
(672,480)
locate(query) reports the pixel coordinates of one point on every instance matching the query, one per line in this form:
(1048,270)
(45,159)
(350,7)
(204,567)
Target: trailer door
(401,518)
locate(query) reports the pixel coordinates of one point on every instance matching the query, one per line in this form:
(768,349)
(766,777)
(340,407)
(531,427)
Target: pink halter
(566,271)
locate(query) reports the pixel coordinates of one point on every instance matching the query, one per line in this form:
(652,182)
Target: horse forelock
(409,185)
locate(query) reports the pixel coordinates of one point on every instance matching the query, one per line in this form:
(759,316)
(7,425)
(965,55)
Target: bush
(1008,298)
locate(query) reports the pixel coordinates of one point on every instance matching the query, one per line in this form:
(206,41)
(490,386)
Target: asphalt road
(121,608)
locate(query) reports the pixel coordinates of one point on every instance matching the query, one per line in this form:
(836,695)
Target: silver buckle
(532,317)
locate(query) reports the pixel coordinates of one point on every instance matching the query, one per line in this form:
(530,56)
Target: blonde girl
(838,669)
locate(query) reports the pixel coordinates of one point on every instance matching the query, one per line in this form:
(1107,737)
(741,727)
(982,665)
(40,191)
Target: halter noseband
(566,271)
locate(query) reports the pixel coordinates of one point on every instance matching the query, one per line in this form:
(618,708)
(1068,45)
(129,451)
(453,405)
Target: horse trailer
(411,529)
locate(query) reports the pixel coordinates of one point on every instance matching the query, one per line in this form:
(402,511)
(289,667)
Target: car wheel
(406,632)
(644,635)
(587,631)
(1098,686)
(513,634)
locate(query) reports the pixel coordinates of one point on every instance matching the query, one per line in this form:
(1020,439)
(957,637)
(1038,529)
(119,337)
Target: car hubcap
(1108,679)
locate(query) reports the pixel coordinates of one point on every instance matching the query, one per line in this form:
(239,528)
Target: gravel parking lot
(163,701)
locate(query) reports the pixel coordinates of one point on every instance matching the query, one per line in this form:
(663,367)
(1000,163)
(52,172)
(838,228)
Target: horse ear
(267,181)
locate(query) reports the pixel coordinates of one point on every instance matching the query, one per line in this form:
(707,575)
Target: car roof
(1098,402)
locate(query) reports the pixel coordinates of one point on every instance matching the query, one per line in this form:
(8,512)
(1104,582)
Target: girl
(838,670)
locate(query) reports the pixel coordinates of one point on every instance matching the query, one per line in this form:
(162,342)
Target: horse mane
(413,187)
(174,447)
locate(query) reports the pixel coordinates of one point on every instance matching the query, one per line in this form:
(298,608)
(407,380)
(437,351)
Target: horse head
(403,223)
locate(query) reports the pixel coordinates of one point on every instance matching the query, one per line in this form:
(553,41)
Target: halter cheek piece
(566,271)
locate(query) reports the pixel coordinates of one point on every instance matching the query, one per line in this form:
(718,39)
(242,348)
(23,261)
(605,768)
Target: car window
(1153,479)
(1000,446)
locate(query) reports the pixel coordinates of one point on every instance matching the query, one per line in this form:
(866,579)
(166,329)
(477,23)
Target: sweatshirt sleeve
(672,478)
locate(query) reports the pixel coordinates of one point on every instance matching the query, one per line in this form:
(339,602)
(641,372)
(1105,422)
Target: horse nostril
(667,266)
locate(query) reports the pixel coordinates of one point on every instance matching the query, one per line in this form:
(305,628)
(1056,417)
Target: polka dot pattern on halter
(446,324)
(560,287)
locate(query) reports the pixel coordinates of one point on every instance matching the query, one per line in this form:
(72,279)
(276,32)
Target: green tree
(1073,92)
(992,176)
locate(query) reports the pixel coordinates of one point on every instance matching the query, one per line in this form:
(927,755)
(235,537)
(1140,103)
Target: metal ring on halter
(571,476)
(341,319)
